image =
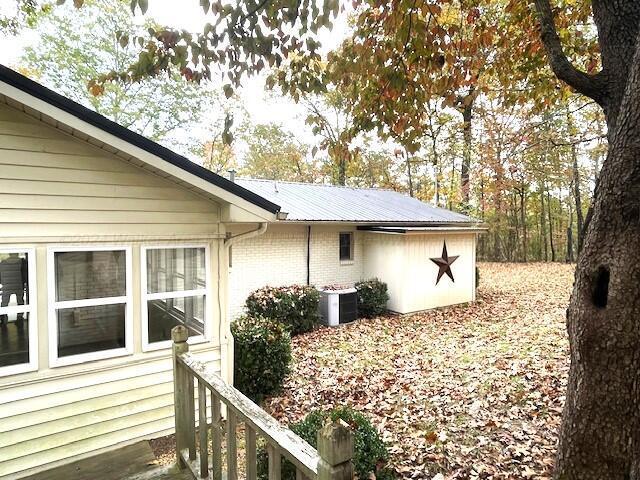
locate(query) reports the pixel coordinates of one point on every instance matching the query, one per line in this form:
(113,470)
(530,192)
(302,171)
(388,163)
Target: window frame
(31,309)
(145,296)
(351,248)
(54,306)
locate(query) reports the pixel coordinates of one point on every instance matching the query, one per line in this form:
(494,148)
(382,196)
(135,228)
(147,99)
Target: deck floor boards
(133,462)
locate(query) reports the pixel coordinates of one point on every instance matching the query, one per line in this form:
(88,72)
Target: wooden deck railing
(332,460)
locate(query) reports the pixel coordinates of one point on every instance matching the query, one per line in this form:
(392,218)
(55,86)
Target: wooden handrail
(332,461)
(294,448)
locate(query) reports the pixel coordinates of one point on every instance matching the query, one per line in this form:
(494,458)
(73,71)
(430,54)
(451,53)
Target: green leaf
(228,90)
(123,40)
(144,5)
(227,138)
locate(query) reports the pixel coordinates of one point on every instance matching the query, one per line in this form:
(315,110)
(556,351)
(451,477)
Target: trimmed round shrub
(262,356)
(372,298)
(296,306)
(370,452)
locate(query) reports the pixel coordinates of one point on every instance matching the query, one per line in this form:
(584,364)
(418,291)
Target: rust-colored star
(444,263)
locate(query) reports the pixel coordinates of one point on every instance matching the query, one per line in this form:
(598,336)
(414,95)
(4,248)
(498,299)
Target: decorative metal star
(444,263)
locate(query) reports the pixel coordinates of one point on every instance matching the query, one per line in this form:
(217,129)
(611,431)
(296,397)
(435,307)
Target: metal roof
(328,203)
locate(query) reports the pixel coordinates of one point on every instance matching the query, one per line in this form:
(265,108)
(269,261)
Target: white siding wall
(58,190)
(386,260)
(71,413)
(403,261)
(53,184)
(279,257)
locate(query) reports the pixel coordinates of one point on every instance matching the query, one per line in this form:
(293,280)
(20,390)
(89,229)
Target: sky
(262,107)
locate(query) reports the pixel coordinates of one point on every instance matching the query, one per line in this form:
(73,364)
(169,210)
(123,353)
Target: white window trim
(32,310)
(53,306)
(145,297)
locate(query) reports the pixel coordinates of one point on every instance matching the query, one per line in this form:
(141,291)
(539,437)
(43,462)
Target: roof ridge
(319,184)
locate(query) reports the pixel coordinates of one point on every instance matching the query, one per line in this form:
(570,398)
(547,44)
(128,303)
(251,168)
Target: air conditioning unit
(338,306)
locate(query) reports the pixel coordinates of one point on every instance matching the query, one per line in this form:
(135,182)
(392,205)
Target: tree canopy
(74,47)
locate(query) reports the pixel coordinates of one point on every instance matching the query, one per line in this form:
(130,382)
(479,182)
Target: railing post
(179,336)
(335,448)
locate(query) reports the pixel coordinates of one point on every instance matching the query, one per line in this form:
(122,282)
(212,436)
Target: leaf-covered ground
(472,391)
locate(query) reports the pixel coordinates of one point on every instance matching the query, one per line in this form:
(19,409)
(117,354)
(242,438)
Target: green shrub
(370,452)
(262,356)
(372,298)
(296,306)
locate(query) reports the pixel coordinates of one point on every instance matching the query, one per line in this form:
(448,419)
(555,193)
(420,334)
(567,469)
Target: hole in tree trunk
(601,287)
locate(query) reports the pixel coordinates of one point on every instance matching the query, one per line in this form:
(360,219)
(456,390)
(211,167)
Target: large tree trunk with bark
(600,433)
(600,436)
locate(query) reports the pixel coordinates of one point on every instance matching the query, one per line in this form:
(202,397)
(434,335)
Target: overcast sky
(189,16)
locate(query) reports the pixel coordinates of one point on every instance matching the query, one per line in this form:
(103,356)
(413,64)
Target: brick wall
(279,257)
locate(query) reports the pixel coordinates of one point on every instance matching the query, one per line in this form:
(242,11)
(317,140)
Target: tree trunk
(543,228)
(600,432)
(467,117)
(569,258)
(553,250)
(600,435)
(482,238)
(523,220)
(577,198)
(342,171)
(513,247)
(451,182)
(409,174)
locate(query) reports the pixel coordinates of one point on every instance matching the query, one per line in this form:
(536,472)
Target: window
(90,304)
(346,246)
(174,293)
(18,340)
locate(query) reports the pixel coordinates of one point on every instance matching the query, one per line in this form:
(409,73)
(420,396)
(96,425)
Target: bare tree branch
(593,86)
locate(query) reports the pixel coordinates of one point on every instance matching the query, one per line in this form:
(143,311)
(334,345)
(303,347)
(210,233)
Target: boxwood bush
(372,298)
(262,356)
(296,306)
(370,452)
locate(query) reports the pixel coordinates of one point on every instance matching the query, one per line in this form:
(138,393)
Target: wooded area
(513,148)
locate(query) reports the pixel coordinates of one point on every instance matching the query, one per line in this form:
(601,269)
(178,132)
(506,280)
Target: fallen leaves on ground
(472,391)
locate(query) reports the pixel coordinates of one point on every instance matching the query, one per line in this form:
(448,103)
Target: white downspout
(262,227)
(225,334)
